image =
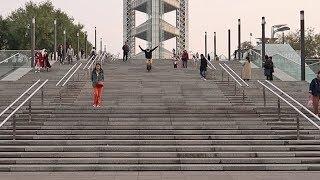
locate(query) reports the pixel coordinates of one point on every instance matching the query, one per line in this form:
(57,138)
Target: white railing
(292,106)
(236,74)
(9,58)
(235,79)
(66,74)
(72,75)
(90,59)
(12,114)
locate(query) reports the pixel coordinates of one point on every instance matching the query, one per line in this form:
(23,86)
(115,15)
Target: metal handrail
(71,75)
(66,75)
(88,62)
(291,98)
(230,75)
(295,108)
(236,74)
(211,65)
(26,100)
(104,55)
(9,58)
(24,93)
(96,59)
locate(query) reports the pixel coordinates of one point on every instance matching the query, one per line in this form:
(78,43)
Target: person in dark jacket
(97,78)
(314,90)
(126,50)
(269,69)
(148,55)
(203,67)
(60,54)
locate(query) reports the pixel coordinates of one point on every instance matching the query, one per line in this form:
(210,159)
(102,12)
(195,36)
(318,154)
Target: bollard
(42,96)
(14,127)
(264,97)
(279,110)
(30,111)
(298,127)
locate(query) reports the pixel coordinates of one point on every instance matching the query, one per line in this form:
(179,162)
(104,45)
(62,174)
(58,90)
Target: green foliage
(3,33)
(246,45)
(18,27)
(312,42)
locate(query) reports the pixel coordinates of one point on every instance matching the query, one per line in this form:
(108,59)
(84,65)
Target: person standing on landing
(148,54)
(269,69)
(203,67)
(126,50)
(185,58)
(70,54)
(97,78)
(246,71)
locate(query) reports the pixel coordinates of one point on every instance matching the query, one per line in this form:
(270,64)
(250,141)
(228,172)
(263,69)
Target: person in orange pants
(97,78)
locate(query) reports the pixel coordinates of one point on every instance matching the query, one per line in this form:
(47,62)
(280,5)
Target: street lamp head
(239,21)
(55,22)
(301,15)
(77,34)
(33,20)
(263,20)
(64,32)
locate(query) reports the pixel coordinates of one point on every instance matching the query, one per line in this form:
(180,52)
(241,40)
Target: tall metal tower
(156,30)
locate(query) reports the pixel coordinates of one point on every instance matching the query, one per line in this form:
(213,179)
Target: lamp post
(64,44)
(78,46)
(85,44)
(229,44)
(215,45)
(205,45)
(263,40)
(95,38)
(239,39)
(55,40)
(33,41)
(302,46)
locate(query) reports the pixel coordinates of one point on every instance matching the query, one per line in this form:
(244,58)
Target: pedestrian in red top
(185,58)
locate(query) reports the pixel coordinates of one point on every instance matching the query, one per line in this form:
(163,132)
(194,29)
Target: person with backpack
(148,55)
(269,69)
(203,67)
(97,78)
(185,58)
(126,50)
(93,53)
(314,91)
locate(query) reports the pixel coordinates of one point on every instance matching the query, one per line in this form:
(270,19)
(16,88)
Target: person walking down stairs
(246,71)
(203,67)
(148,55)
(126,50)
(97,78)
(185,58)
(70,54)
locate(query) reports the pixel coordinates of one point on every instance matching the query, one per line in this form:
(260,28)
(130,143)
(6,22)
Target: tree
(3,33)
(311,38)
(19,27)
(246,45)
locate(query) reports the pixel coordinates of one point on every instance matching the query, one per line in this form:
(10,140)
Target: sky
(204,15)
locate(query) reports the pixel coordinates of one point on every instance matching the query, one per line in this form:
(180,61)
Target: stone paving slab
(162,175)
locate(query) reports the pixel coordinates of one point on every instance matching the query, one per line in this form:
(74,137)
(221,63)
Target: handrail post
(235,88)
(264,97)
(298,127)
(42,96)
(14,127)
(222,76)
(30,111)
(279,109)
(228,80)
(243,94)
(60,97)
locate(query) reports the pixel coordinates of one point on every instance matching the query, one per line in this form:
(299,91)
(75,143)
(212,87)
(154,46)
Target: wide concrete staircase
(164,120)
